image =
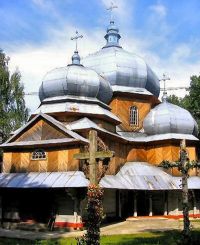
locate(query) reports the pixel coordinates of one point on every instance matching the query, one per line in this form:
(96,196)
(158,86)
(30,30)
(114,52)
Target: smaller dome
(169,118)
(75,80)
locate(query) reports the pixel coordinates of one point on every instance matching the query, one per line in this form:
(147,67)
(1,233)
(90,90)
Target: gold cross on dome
(76,37)
(112,6)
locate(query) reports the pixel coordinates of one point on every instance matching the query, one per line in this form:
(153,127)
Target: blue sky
(36,35)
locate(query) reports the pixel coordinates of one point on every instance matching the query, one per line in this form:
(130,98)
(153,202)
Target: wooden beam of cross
(93,155)
(76,37)
(183,165)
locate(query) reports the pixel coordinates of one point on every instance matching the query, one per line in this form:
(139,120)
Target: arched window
(134,117)
(39,154)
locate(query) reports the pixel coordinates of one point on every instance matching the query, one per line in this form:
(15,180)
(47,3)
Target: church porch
(52,199)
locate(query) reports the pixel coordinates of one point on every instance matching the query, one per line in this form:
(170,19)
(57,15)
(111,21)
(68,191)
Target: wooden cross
(112,6)
(76,37)
(92,156)
(183,165)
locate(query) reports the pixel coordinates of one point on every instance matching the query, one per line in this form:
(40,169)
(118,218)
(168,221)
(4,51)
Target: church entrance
(33,205)
(142,203)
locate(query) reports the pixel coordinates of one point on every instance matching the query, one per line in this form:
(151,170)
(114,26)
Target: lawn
(155,238)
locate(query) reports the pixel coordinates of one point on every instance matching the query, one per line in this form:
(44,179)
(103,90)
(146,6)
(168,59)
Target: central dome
(120,67)
(75,80)
(123,68)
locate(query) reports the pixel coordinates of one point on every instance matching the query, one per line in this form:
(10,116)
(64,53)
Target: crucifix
(184,165)
(76,37)
(164,79)
(93,155)
(112,6)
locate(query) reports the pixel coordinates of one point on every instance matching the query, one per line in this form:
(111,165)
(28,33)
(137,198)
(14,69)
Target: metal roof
(43,180)
(131,90)
(169,118)
(140,176)
(132,176)
(48,143)
(85,123)
(141,137)
(144,176)
(71,98)
(123,68)
(75,80)
(78,108)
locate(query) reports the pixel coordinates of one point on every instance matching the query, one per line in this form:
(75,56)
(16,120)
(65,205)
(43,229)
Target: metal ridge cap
(73,98)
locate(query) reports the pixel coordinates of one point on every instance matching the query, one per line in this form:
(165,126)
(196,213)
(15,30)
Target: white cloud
(35,60)
(159,9)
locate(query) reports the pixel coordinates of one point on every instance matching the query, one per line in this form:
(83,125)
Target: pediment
(41,130)
(44,128)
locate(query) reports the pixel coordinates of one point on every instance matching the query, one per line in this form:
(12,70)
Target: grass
(147,238)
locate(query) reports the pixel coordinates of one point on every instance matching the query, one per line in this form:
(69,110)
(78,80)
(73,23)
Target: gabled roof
(86,124)
(70,135)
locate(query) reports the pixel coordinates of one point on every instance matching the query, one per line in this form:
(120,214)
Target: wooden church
(115,93)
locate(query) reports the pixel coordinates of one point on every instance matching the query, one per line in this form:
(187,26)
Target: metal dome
(169,118)
(123,68)
(75,80)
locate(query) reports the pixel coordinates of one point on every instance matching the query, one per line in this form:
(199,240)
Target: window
(39,154)
(134,117)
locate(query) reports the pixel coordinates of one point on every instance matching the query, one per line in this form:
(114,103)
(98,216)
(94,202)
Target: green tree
(13,110)
(192,100)
(175,100)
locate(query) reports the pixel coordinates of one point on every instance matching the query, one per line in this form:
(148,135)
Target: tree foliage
(13,110)
(190,102)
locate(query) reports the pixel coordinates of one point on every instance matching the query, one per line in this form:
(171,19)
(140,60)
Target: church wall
(57,160)
(106,125)
(120,156)
(121,106)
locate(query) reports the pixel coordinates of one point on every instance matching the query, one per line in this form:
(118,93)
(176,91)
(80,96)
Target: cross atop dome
(164,79)
(76,57)
(111,8)
(112,36)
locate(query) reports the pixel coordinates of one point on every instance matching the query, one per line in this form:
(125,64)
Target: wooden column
(135,205)
(194,203)
(166,203)
(75,210)
(92,159)
(119,204)
(177,204)
(150,205)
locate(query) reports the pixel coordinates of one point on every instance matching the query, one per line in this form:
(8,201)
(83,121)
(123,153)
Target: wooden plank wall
(57,160)
(41,131)
(121,106)
(153,154)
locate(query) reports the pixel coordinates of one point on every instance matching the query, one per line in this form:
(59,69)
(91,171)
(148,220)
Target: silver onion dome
(75,80)
(121,67)
(169,118)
